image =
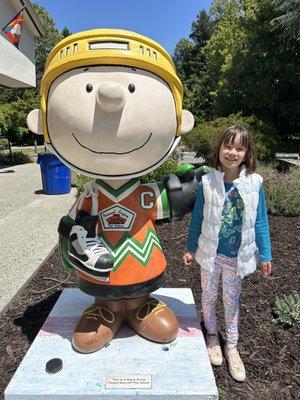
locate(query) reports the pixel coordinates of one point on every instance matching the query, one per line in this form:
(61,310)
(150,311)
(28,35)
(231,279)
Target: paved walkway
(28,226)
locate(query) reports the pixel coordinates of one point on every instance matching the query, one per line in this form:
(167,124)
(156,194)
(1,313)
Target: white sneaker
(214,350)
(86,251)
(235,364)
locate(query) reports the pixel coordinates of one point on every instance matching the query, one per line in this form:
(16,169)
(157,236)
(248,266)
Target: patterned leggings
(232,285)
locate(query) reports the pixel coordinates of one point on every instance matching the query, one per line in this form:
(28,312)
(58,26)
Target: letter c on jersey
(147,200)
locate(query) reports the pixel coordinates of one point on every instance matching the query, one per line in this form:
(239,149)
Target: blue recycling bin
(56,177)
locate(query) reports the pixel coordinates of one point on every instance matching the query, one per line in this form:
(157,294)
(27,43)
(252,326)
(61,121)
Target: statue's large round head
(111,104)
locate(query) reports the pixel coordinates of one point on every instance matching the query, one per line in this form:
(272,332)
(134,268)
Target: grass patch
(264,328)
(222,393)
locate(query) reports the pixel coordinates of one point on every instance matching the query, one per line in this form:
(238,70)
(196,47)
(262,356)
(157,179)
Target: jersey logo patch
(117,218)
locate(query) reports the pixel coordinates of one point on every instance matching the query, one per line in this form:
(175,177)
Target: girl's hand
(188,258)
(265,268)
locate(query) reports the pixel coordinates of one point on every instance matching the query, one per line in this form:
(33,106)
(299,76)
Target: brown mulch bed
(270,351)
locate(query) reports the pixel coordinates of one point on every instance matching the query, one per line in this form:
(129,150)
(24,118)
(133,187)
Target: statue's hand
(182,187)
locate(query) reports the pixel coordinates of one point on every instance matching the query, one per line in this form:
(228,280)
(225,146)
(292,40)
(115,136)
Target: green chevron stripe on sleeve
(164,201)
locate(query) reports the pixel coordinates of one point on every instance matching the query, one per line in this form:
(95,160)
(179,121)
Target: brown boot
(98,325)
(151,319)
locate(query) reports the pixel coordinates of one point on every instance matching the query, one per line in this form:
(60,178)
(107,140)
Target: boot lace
(149,306)
(98,312)
(95,246)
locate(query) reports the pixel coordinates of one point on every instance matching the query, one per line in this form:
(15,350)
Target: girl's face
(232,154)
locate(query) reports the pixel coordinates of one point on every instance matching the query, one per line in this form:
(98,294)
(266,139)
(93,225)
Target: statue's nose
(110,96)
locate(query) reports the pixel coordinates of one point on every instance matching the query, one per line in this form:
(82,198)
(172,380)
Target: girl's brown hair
(228,137)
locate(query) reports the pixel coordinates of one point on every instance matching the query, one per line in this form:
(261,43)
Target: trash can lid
(46,153)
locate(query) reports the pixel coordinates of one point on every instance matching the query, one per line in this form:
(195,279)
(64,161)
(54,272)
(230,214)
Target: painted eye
(89,87)
(131,87)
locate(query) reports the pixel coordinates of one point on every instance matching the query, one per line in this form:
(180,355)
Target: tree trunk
(10,152)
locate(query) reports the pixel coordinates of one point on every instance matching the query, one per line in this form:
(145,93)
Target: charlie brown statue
(111,108)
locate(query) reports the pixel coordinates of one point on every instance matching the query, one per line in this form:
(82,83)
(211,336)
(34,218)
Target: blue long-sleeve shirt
(231,224)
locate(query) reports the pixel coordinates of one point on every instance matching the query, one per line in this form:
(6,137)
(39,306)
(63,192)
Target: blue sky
(165,21)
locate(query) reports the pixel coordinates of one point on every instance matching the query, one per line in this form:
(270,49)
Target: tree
(5,120)
(288,16)
(191,67)
(9,95)
(65,32)
(13,117)
(183,58)
(202,29)
(253,65)
(51,36)
(225,42)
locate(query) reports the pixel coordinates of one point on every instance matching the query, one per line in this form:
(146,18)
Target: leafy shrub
(295,173)
(202,137)
(287,309)
(282,192)
(13,117)
(3,144)
(80,182)
(18,157)
(168,166)
(265,169)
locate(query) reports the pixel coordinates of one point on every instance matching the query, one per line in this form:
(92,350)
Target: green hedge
(4,144)
(202,137)
(17,158)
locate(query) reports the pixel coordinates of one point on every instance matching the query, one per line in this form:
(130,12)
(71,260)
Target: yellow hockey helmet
(110,47)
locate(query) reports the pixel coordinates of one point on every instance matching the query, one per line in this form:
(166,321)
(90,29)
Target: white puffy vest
(214,198)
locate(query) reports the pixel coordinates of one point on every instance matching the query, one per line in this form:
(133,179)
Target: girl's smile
(232,154)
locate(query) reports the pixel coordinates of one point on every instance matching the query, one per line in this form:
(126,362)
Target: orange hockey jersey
(126,227)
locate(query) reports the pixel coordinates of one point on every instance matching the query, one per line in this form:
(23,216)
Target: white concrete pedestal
(129,368)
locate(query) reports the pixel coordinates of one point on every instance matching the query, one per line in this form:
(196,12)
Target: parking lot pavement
(28,226)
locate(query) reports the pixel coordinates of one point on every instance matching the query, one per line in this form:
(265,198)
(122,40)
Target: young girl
(228,233)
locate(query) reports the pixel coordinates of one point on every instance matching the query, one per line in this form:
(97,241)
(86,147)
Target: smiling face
(232,154)
(111,121)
